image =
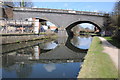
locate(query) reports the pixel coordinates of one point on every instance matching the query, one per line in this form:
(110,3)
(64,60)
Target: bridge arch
(68,29)
(47,19)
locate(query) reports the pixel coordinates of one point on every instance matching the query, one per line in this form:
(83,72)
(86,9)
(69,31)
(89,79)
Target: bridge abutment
(62,32)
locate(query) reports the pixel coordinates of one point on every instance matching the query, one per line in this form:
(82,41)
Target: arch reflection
(48,58)
(78,43)
(81,42)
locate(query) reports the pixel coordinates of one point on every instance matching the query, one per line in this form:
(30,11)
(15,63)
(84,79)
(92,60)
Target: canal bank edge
(23,38)
(97,64)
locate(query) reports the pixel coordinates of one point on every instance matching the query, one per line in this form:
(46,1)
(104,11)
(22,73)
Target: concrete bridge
(61,18)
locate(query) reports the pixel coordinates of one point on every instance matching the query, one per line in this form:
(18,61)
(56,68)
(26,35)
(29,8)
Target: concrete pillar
(62,32)
(36,25)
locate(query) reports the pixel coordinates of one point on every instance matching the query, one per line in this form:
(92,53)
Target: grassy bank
(113,41)
(97,64)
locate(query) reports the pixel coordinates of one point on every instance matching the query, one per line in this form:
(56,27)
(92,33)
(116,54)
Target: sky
(79,6)
(87,25)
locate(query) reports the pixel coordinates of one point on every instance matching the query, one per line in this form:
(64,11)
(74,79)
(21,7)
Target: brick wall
(8,13)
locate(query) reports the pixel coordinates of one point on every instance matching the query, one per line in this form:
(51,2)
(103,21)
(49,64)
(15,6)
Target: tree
(115,20)
(112,23)
(117,8)
(23,4)
(9,4)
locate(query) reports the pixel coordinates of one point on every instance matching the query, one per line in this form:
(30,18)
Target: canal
(55,58)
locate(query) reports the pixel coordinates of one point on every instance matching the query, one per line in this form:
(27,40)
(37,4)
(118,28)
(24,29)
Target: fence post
(22,25)
(5,26)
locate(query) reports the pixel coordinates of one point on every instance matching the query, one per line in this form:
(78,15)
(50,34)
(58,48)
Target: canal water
(55,58)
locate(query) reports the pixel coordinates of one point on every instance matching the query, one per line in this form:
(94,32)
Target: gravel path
(111,50)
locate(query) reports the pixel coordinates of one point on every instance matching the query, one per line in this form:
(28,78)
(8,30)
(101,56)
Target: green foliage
(113,41)
(112,23)
(23,3)
(17,41)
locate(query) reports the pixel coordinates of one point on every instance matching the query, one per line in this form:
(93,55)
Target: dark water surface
(58,58)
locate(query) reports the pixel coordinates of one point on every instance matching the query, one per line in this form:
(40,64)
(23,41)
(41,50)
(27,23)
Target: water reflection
(48,45)
(60,58)
(81,42)
(49,67)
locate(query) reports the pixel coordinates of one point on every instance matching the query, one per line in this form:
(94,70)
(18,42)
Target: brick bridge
(61,18)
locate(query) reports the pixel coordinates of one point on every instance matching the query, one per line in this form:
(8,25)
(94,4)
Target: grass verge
(113,41)
(116,43)
(97,64)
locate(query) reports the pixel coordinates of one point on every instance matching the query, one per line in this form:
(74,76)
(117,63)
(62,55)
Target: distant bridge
(61,18)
